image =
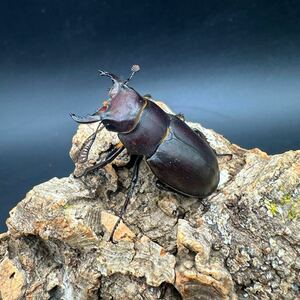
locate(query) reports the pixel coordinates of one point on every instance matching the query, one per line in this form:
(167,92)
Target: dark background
(231,65)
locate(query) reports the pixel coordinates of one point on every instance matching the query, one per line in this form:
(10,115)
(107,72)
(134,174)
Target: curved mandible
(112,76)
(86,119)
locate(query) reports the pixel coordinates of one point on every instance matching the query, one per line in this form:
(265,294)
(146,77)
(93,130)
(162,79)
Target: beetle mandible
(180,157)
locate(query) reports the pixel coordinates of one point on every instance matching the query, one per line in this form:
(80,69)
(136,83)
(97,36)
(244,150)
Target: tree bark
(242,242)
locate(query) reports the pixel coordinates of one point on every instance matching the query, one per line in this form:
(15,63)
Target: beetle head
(121,112)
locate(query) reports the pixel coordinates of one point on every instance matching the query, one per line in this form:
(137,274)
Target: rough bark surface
(242,242)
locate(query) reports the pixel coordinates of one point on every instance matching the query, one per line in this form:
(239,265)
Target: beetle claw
(79,176)
(111,239)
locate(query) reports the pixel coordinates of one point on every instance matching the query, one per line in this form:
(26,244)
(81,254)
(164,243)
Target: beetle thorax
(124,109)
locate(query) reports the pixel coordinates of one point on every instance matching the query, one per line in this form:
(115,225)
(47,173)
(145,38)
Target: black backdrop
(231,65)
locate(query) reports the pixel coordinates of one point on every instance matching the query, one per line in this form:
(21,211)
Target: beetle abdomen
(185,162)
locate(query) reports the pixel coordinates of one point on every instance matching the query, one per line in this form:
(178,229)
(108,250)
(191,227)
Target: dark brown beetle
(180,158)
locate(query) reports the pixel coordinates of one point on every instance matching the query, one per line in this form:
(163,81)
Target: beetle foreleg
(134,179)
(85,149)
(109,158)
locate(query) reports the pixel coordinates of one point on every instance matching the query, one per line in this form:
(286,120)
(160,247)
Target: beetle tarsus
(135,174)
(206,205)
(111,237)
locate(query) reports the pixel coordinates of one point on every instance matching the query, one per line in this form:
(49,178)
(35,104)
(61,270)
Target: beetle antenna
(134,69)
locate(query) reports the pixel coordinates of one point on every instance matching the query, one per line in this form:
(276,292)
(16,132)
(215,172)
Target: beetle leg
(181,117)
(201,134)
(108,159)
(85,149)
(134,179)
(148,96)
(204,137)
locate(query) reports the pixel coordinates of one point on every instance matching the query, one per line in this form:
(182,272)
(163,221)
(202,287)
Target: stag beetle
(180,157)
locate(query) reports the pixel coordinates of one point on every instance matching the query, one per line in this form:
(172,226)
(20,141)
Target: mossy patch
(287,206)
(286,199)
(294,210)
(272,207)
